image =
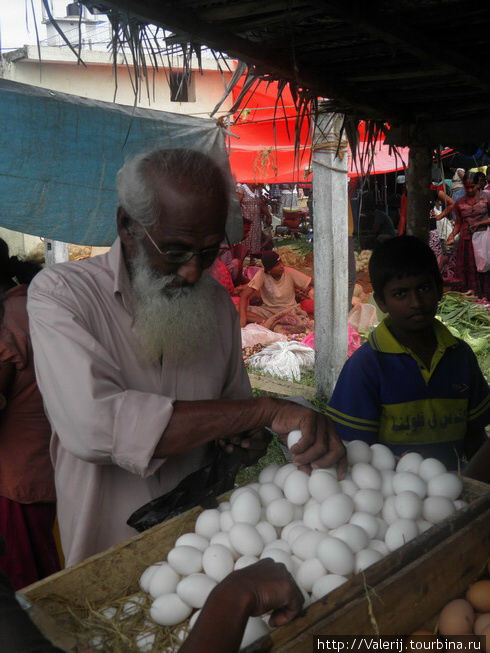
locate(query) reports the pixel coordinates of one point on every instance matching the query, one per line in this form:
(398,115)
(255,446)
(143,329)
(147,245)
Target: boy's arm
(479,466)
(478,410)
(355,405)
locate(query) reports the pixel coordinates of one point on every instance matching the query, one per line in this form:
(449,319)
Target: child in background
(413,386)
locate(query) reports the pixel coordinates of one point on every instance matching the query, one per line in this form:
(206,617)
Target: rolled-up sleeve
(94,416)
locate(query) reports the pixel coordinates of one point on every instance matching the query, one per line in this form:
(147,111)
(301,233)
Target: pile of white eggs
(322,529)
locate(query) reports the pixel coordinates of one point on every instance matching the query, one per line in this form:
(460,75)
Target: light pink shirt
(106,409)
(279,294)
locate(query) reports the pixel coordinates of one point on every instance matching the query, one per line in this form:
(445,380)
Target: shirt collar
(381,338)
(122,285)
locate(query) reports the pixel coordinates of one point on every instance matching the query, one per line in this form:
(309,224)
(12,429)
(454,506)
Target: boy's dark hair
(400,257)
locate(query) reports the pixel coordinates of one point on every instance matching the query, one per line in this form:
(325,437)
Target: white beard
(172,324)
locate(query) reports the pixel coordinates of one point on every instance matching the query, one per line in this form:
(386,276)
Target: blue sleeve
(479,404)
(355,406)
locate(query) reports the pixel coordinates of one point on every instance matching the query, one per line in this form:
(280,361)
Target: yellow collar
(381,338)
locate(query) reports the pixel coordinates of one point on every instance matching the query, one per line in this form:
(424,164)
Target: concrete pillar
(330,250)
(55,252)
(419,178)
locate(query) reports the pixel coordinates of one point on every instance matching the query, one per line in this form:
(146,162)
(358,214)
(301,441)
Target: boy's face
(411,301)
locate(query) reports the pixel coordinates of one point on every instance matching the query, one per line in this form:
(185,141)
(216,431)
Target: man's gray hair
(140,176)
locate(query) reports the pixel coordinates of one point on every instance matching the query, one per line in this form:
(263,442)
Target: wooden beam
(279,387)
(318,80)
(419,178)
(419,44)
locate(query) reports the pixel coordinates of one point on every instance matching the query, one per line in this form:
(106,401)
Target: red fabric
(30,547)
(26,473)
(220,272)
(263,151)
(466,272)
(402,223)
(308,305)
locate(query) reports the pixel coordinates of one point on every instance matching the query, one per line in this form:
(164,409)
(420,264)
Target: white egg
(423,525)
(354,536)
(268,492)
(321,485)
(224,540)
(459,504)
(382,528)
(169,609)
(408,505)
(336,556)
(336,510)
(185,559)
(293,438)
(326,584)
(400,532)
(246,509)
(366,558)
(226,521)
(308,572)
(110,612)
(193,619)
(387,482)
(370,501)
(305,545)
(254,486)
(254,629)
(282,474)
(296,488)
(358,452)
(245,561)
(280,512)
(378,545)
(347,486)
(311,517)
(191,539)
(224,505)
(447,485)
(437,509)
(268,473)
(267,531)
(132,606)
(217,562)
(295,532)
(389,513)
(288,528)
(246,539)
(279,544)
(409,462)
(208,523)
(297,512)
(382,457)
(431,467)
(278,555)
(366,476)
(164,581)
(367,522)
(409,481)
(147,575)
(238,492)
(195,589)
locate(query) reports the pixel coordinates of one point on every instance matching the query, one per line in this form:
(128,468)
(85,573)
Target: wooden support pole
(419,178)
(330,251)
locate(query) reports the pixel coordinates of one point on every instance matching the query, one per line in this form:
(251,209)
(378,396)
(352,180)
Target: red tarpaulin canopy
(264,149)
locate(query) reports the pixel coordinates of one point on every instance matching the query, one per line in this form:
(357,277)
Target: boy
(412,386)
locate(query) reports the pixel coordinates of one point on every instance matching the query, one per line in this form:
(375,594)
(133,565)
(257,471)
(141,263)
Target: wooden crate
(394,596)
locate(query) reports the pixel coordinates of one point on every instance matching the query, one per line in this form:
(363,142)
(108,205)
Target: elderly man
(138,356)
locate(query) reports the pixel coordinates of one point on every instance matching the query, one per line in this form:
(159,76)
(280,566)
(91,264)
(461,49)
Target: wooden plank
(280,387)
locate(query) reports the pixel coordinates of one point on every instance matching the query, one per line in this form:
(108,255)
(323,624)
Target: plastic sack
(354,340)
(255,334)
(363,317)
(285,360)
(444,228)
(481,249)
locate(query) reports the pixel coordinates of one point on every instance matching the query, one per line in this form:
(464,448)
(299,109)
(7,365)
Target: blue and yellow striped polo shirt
(385,393)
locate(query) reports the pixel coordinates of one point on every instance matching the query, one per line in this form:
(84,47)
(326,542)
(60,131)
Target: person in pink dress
(472,214)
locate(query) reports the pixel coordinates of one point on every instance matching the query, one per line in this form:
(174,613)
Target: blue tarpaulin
(59,155)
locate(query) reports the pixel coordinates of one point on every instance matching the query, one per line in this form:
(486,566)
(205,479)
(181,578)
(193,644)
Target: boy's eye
(424,288)
(399,294)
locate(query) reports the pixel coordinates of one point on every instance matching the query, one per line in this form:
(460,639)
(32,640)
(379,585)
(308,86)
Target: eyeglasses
(181,256)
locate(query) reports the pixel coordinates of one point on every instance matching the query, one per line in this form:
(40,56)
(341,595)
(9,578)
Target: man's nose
(415,300)
(191,270)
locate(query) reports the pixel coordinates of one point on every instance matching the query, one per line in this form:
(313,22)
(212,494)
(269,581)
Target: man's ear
(380,302)
(124,226)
